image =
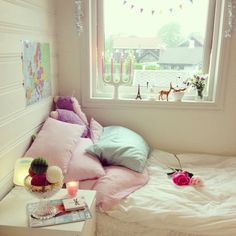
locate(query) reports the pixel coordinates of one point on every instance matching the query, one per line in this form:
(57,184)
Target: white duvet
(208,210)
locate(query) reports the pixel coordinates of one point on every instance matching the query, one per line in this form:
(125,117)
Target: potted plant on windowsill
(178,93)
(199,82)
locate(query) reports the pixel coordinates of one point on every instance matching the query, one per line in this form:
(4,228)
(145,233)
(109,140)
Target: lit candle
(72,188)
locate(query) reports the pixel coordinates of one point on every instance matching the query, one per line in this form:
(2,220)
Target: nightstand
(13,218)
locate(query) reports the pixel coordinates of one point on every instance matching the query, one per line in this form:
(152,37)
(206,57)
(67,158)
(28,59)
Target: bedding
(162,208)
(138,198)
(96,130)
(69,117)
(83,166)
(117,183)
(56,142)
(71,104)
(121,146)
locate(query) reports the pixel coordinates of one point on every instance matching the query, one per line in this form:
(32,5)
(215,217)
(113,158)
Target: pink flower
(181,178)
(196,181)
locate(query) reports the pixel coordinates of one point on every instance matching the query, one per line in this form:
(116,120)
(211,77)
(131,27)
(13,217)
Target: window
(143,44)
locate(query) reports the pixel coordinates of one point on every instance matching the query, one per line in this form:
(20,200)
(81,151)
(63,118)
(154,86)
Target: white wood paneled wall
(21,20)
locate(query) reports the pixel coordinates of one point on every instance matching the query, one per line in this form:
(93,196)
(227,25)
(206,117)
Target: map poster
(36,71)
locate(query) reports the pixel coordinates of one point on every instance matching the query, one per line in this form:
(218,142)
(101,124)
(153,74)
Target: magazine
(62,216)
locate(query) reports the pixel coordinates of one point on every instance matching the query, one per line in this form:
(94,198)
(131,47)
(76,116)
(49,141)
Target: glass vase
(199,96)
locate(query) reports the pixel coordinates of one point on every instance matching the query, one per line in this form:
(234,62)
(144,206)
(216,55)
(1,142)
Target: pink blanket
(116,185)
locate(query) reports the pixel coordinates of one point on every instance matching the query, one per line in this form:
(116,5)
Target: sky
(127,18)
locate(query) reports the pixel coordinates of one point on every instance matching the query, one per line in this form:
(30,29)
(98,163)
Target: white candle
(121,66)
(72,188)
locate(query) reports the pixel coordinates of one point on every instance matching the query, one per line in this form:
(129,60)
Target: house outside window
(154,44)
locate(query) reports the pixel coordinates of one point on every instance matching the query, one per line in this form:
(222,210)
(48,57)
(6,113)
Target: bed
(162,208)
(135,196)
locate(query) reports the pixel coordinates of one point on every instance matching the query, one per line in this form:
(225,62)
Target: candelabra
(117,78)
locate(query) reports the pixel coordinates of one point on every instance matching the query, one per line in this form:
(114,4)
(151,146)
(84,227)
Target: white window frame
(91,49)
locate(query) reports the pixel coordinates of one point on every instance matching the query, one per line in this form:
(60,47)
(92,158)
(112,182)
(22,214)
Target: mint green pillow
(121,146)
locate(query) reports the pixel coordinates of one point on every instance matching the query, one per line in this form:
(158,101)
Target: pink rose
(181,178)
(196,181)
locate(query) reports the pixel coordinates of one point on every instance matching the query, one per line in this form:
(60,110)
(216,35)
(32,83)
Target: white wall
(177,130)
(21,20)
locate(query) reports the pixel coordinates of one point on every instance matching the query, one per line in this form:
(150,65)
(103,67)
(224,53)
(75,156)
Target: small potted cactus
(43,182)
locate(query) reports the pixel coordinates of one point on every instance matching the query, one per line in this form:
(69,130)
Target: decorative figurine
(138,94)
(166,93)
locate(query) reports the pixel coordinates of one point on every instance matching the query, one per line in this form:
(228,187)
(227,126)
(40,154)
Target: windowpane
(161,41)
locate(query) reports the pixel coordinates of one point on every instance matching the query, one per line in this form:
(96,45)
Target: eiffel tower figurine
(138,94)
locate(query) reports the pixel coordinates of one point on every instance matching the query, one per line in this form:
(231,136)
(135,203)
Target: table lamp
(21,170)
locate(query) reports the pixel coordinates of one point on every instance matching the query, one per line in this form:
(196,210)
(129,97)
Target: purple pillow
(71,104)
(71,117)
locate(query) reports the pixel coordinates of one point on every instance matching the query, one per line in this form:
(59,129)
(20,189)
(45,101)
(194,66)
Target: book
(62,216)
(71,204)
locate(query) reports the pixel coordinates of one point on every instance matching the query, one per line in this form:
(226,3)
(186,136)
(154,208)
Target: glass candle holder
(72,188)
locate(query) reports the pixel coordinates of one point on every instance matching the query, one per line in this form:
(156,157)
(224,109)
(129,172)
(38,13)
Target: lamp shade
(21,170)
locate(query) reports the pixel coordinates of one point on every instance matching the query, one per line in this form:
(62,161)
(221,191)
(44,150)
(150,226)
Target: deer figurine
(166,93)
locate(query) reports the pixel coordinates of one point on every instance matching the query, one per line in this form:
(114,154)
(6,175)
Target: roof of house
(181,55)
(198,42)
(136,43)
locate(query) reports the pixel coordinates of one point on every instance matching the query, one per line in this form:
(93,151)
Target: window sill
(152,104)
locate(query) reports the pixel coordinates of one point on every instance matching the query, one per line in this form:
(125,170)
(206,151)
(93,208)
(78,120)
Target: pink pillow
(117,184)
(56,142)
(95,130)
(83,165)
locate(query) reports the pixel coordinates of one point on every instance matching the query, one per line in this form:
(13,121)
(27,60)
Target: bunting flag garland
(133,6)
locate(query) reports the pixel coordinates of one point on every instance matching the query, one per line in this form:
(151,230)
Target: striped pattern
(21,20)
